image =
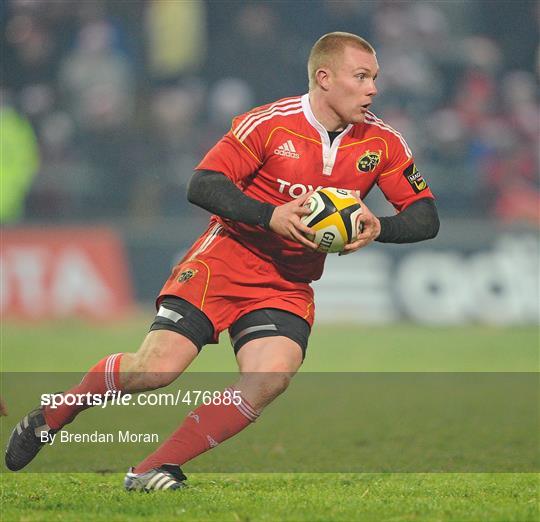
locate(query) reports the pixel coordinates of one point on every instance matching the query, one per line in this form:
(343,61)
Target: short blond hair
(327,47)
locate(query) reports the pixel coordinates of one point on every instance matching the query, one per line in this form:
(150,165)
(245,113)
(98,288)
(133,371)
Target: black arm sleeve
(216,193)
(417,222)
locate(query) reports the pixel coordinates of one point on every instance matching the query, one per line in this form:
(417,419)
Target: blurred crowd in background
(108,105)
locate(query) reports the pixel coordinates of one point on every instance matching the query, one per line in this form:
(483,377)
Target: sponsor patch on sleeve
(415,179)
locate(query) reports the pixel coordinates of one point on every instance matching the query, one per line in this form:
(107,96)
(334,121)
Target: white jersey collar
(329,151)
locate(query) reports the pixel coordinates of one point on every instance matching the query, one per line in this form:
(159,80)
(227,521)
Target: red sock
(203,429)
(104,376)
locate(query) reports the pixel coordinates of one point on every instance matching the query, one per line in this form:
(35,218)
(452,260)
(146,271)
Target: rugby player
(250,272)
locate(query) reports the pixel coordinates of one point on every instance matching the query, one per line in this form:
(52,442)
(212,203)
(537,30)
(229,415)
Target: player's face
(352,84)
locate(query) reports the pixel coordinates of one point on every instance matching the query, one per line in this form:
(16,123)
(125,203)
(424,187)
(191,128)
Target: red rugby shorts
(226,280)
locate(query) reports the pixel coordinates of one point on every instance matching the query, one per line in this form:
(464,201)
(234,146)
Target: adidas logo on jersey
(287,149)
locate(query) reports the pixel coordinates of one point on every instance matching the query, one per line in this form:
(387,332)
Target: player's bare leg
(267,366)
(162,357)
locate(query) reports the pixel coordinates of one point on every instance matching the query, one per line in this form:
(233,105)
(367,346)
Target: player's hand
(370,228)
(286,222)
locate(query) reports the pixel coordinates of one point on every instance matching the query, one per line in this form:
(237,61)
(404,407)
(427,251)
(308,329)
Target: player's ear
(323,78)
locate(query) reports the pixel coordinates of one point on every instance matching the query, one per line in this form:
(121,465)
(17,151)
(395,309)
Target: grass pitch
(287,497)
(73,346)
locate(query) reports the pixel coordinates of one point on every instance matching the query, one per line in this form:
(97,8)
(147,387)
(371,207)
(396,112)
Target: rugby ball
(335,217)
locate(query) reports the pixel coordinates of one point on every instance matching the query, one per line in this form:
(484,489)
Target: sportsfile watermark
(111,398)
(323,422)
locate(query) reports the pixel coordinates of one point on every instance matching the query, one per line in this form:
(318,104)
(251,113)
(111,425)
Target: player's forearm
(216,193)
(418,222)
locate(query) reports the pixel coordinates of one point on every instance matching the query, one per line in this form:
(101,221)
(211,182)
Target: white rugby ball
(335,217)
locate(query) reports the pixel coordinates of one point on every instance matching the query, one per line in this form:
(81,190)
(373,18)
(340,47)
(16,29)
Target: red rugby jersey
(279,151)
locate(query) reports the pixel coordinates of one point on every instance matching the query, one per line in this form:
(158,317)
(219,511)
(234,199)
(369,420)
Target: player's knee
(158,378)
(152,367)
(155,370)
(271,384)
(143,380)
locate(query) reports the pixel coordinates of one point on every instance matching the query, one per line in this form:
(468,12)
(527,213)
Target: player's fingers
(357,194)
(353,247)
(346,251)
(302,199)
(362,240)
(304,240)
(350,247)
(302,211)
(304,229)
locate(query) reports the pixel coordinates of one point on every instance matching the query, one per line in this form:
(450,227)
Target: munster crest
(186,275)
(368,161)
